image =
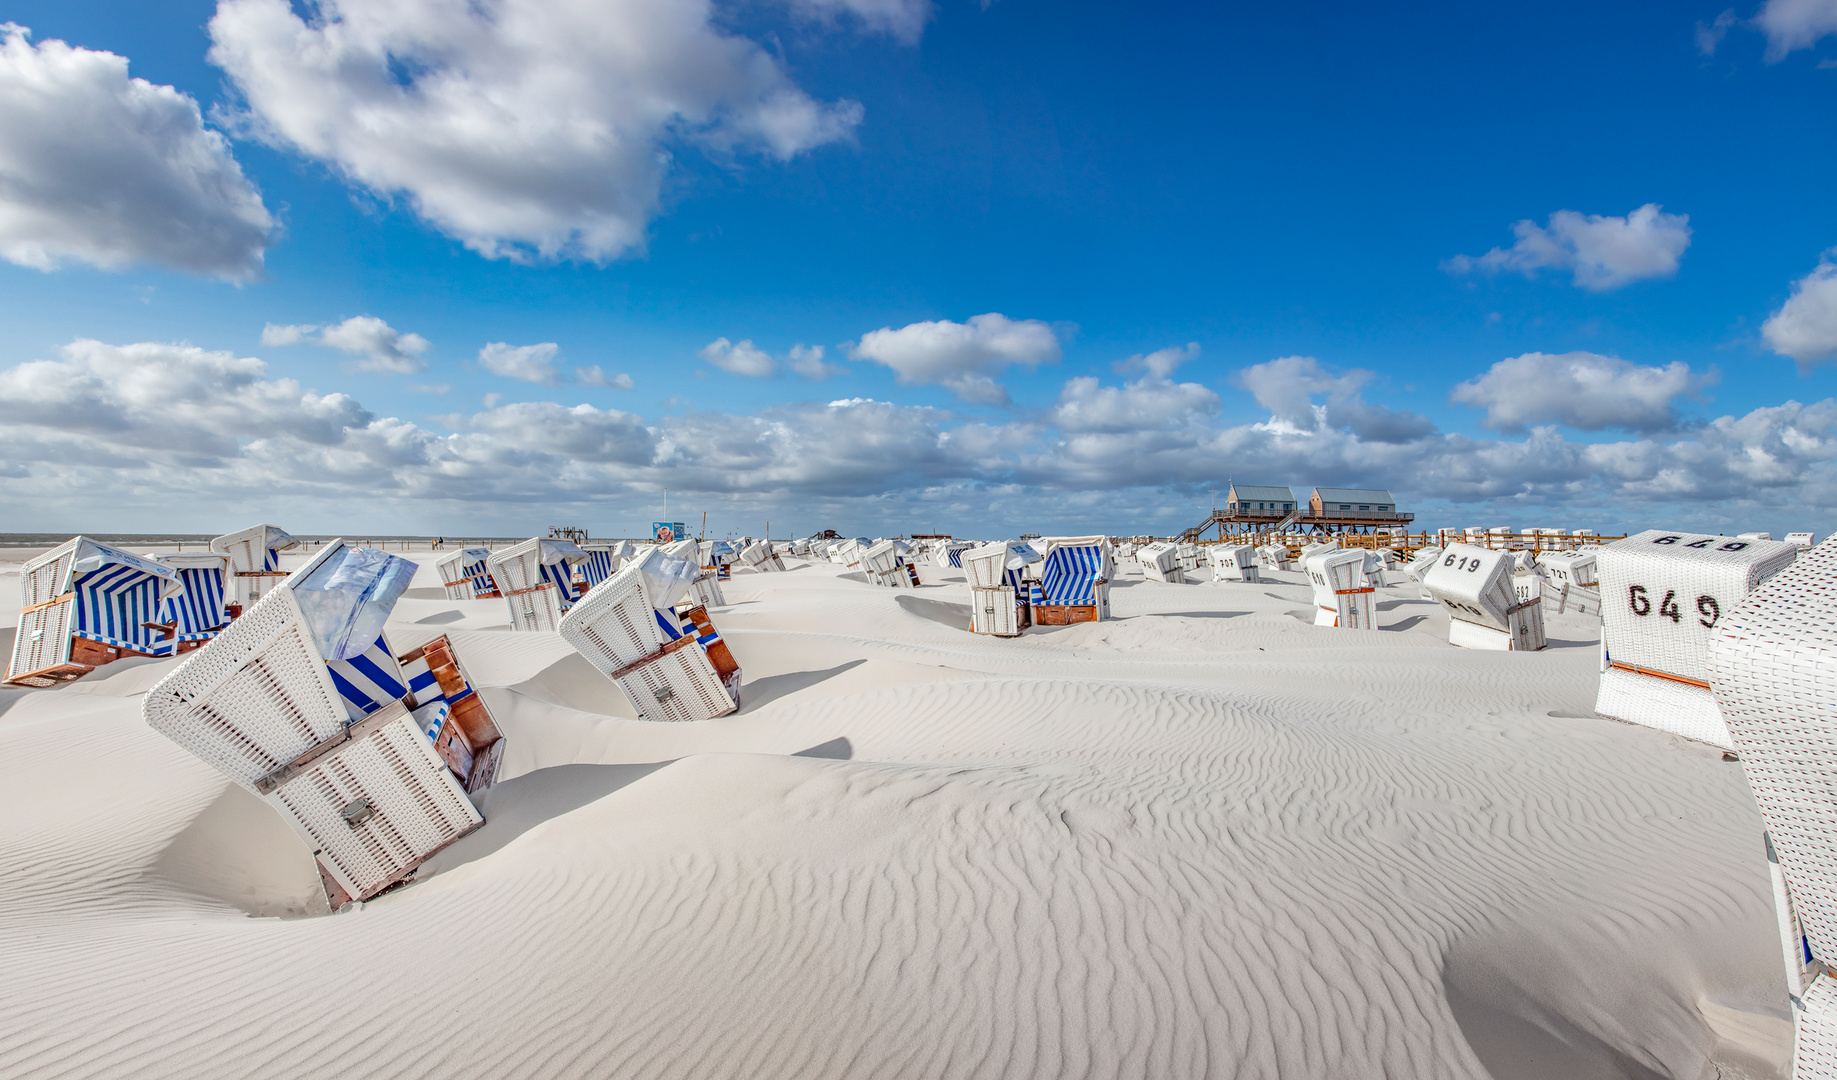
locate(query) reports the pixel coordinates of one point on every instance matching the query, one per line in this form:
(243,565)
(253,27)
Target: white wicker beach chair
(196,613)
(536,579)
(1161,562)
(1474,585)
(1234,562)
(603,561)
(1662,596)
(1343,593)
(999,593)
(1420,564)
(84,604)
(1772,659)
(1308,551)
(629,631)
(1571,582)
(1801,540)
(255,560)
(465,576)
(1275,557)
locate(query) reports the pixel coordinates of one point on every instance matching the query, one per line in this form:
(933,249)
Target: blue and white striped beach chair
(464,575)
(1074,584)
(536,578)
(195,615)
(255,561)
(671,664)
(84,604)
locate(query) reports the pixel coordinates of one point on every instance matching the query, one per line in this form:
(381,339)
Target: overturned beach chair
(999,596)
(255,561)
(1074,585)
(84,604)
(885,566)
(1571,583)
(1343,594)
(1420,564)
(536,579)
(301,702)
(1474,585)
(1773,673)
(1308,551)
(1663,596)
(465,576)
(760,556)
(665,663)
(200,609)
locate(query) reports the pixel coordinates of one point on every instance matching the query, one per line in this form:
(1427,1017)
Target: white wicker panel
(1793,952)
(992,611)
(1234,562)
(1663,594)
(453,578)
(615,624)
(254,698)
(985,564)
(539,609)
(1815,1032)
(418,807)
(1661,703)
(42,640)
(706,588)
(48,576)
(1343,595)
(1423,560)
(881,558)
(681,685)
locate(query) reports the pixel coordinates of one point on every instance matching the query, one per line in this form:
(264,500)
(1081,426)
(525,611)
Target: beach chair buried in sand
(761,558)
(1274,557)
(671,666)
(1420,564)
(255,562)
(197,612)
(1234,562)
(885,566)
(719,556)
(1773,672)
(301,702)
(1663,597)
(84,604)
(1571,582)
(536,578)
(1343,593)
(465,576)
(998,593)
(1074,584)
(1474,585)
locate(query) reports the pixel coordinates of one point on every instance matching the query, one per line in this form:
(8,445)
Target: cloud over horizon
(1581,390)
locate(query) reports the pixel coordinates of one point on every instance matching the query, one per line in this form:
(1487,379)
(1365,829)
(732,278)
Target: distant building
(1259,501)
(1328,502)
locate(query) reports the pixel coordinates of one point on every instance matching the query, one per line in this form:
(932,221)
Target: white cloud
(382,347)
(743,358)
(1160,363)
(1152,403)
(530,363)
(1795,24)
(807,360)
(901,19)
(593,376)
(962,357)
(525,128)
(1805,327)
(1603,252)
(275,334)
(1287,387)
(1710,34)
(100,168)
(1579,389)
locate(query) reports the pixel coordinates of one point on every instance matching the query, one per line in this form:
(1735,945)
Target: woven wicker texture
(453,576)
(615,624)
(42,641)
(1423,560)
(417,806)
(1815,1032)
(1234,562)
(1795,951)
(256,697)
(1664,593)
(880,558)
(48,576)
(706,590)
(678,686)
(993,611)
(1274,556)
(1773,668)
(1664,704)
(1571,567)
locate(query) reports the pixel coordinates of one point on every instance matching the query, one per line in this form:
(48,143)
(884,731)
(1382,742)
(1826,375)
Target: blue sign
(668,532)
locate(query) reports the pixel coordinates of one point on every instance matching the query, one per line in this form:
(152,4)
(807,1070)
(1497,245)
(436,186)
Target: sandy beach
(1205,838)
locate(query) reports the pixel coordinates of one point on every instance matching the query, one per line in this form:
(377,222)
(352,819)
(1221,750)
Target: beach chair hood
(91,555)
(347,597)
(666,578)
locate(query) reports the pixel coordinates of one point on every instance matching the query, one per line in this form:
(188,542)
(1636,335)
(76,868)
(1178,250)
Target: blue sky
(1280,193)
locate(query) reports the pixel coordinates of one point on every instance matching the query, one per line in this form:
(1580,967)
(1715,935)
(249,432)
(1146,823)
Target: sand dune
(1202,839)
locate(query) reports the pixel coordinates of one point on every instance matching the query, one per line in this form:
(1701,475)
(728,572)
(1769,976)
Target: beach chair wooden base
(1668,704)
(469,742)
(85,657)
(718,653)
(373,803)
(1065,614)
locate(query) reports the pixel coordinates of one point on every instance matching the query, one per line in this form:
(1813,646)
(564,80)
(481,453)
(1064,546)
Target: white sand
(1203,839)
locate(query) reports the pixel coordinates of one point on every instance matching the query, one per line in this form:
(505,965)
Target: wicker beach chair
(1074,583)
(536,579)
(1234,562)
(1572,582)
(1161,562)
(602,561)
(465,576)
(630,632)
(255,561)
(1772,666)
(1274,557)
(1343,593)
(1420,563)
(999,594)
(84,604)
(1474,585)
(452,714)
(1663,594)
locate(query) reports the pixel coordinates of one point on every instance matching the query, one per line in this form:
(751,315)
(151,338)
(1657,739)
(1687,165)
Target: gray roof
(1247,493)
(1354,495)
